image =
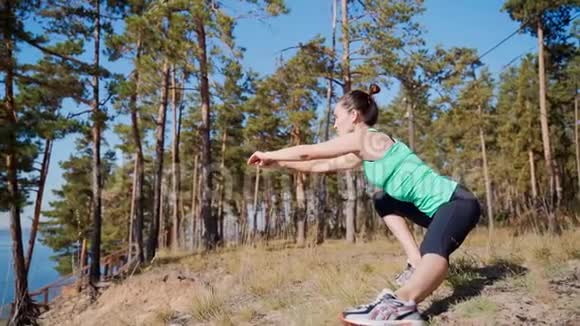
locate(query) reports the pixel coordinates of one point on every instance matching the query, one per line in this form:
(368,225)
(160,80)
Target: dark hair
(364,103)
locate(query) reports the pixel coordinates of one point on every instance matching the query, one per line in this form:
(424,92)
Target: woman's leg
(428,276)
(399,228)
(393,212)
(450,225)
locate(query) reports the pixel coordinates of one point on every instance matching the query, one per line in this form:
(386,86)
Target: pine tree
(475,100)
(69,220)
(229,121)
(519,136)
(91,24)
(39,109)
(24,312)
(209,22)
(138,34)
(264,131)
(545,20)
(350,208)
(27,119)
(296,90)
(322,207)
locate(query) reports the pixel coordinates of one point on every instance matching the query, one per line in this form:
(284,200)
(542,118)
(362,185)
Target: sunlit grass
(276,283)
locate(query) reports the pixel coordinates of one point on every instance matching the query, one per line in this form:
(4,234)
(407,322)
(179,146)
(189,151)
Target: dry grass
(275,285)
(309,286)
(480,307)
(210,304)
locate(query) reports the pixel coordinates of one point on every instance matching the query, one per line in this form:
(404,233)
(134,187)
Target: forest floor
(523,280)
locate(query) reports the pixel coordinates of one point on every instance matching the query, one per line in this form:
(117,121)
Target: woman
(410,189)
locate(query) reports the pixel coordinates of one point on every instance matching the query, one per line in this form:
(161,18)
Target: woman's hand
(261,159)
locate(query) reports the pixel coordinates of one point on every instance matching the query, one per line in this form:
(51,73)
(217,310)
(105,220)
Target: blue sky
(476,24)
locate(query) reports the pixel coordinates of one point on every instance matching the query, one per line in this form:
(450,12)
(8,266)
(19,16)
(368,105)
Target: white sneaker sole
(351,322)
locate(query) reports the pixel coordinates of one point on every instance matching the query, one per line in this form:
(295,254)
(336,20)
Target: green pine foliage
(451,93)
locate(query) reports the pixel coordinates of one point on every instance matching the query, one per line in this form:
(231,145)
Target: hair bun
(374,89)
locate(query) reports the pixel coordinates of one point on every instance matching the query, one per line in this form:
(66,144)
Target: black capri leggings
(448,227)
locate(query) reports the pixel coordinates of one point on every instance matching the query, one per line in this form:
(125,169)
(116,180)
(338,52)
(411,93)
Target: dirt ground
(527,281)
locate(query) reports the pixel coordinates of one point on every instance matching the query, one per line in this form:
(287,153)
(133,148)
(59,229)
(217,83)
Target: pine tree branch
(49,85)
(107,100)
(54,53)
(357,39)
(291,47)
(74,115)
(334,80)
(185,88)
(89,68)
(252,15)
(357,51)
(356,18)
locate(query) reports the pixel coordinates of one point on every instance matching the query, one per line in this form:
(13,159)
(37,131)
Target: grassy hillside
(525,280)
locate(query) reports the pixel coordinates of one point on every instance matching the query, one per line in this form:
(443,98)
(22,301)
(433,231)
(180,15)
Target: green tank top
(404,176)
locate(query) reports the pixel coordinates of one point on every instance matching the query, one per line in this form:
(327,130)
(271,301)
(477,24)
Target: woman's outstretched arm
(340,163)
(339,146)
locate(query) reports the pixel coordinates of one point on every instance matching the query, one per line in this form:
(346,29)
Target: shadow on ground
(469,281)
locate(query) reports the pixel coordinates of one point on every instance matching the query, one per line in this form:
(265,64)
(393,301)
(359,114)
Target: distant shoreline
(42,270)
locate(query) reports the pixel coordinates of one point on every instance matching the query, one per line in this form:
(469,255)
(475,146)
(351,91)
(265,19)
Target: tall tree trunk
(411,121)
(255,206)
(221,186)
(576,145)
(82,264)
(300,214)
(22,304)
(194,196)
(98,119)
(545,127)
(38,202)
(164,234)
(211,233)
(137,216)
(176,171)
(201,227)
(417,230)
(533,175)
(558,183)
(132,211)
(23,310)
(346,76)
(183,230)
(322,193)
(330,90)
(300,210)
(243,219)
(488,193)
(152,242)
(350,187)
(270,209)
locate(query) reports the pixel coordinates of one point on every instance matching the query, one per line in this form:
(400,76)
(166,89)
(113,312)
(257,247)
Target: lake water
(42,270)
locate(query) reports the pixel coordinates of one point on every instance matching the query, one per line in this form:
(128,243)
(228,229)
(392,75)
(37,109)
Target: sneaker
(385,310)
(367,307)
(405,275)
